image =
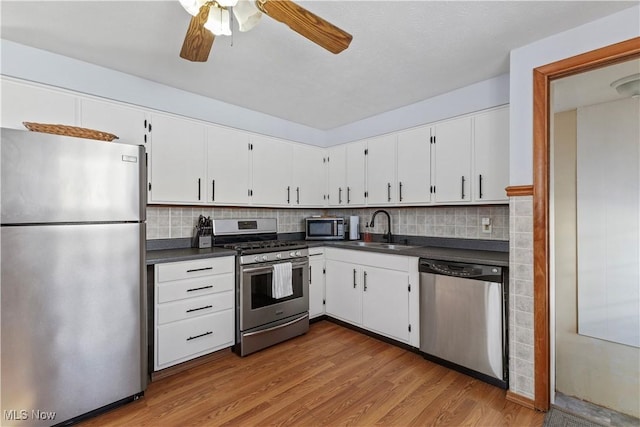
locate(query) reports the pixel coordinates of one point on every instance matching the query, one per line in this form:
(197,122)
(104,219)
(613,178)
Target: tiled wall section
(461,222)
(521,368)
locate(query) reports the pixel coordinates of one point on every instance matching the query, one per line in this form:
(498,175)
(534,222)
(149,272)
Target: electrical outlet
(486,225)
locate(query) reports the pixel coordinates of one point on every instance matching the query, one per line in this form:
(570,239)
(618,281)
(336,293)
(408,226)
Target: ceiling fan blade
(307,24)
(198,40)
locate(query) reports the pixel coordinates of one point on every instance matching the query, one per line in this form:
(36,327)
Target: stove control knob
(292,254)
(256,259)
(278,256)
(264,257)
(298,253)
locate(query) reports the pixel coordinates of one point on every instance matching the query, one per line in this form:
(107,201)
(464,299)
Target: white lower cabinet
(194,309)
(378,292)
(316,282)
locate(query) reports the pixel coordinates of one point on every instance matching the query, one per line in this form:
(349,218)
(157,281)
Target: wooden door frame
(542,78)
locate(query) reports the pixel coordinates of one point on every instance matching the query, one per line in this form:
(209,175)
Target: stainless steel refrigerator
(73,276)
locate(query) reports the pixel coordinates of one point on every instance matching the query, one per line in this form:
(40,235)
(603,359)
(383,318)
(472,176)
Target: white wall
(52,69)
(612,29)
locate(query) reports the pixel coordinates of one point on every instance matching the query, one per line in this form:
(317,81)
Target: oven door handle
(269,267)
(273,328)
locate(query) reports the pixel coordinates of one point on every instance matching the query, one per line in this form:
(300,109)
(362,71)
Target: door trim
(542,78)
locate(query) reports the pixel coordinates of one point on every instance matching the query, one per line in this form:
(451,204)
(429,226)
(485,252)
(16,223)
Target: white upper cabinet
(28,103)
(178,163)
(227,166)
(309,176)
(381,170)
(491,156)
(272,159)
(356,161)
(337,171)
(414,166)
(452,160)
(129,124)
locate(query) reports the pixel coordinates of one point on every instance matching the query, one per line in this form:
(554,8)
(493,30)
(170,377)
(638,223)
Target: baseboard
(176,369)
(520,400)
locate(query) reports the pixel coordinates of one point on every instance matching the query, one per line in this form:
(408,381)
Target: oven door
(258,307)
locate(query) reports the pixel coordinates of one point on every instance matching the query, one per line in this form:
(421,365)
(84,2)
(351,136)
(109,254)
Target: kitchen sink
(380,245)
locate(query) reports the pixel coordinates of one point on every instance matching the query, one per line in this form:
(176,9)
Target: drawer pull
(199,269)
(191,310)
(199,289)
(200,336)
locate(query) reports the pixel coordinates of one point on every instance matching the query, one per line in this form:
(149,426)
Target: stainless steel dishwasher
(463,318)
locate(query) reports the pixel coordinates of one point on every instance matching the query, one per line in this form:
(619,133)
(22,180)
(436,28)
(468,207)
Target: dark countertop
(185,254)
(473,253)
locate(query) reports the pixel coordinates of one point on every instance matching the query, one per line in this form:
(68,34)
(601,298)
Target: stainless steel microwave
(324,228)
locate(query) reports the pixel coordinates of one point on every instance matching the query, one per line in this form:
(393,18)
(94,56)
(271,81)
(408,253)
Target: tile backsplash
(440,221)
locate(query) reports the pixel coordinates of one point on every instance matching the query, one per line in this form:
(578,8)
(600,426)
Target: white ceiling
(402,51)
(592,87)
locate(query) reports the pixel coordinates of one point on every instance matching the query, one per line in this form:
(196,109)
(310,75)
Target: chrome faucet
(373,217)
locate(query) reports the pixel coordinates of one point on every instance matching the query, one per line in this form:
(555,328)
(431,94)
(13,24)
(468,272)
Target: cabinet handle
(288,194)
(213,190)
(365,281)
(462,181)
(339,195)
(199,289)
(354,278)
(191,310)
(199,186)
(348,195)
(298,195)
(199,269)
(309,274)
(388,192)
(200,336)
(400,195)
(480,181)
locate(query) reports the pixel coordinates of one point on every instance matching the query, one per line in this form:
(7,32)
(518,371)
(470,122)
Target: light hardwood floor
(330,376)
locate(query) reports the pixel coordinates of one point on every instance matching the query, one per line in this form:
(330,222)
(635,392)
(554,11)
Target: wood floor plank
(331,376)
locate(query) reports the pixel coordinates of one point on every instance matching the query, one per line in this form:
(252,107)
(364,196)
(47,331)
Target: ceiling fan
(212,18)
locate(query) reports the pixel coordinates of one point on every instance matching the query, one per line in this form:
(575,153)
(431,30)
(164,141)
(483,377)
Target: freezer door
(50,178)
(72,311)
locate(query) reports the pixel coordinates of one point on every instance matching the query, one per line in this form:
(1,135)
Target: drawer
(194,307)
(196,268)
(181,289)
(177,341)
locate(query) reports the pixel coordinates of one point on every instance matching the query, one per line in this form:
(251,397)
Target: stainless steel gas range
(272,283)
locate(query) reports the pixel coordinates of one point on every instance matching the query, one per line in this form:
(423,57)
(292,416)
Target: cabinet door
(337,175)
(309,183)
(26,103)
(271,172)
(227,166)
(491,156)
(177,160)
(355,173)
(381,171)
(129,124)
(453,161)
(414,166)
(385,302)
(343,291)
(316,286)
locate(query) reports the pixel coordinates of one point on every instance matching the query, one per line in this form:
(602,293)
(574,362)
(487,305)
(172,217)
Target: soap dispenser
(367,233)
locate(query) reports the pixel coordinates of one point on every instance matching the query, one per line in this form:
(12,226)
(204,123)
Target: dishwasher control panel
(456,269)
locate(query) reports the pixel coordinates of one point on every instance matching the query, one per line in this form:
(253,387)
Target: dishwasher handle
(464,270)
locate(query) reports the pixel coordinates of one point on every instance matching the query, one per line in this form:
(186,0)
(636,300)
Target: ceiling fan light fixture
(218,21)
(192,6)
(628,86)
(227,3)
(247,14)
